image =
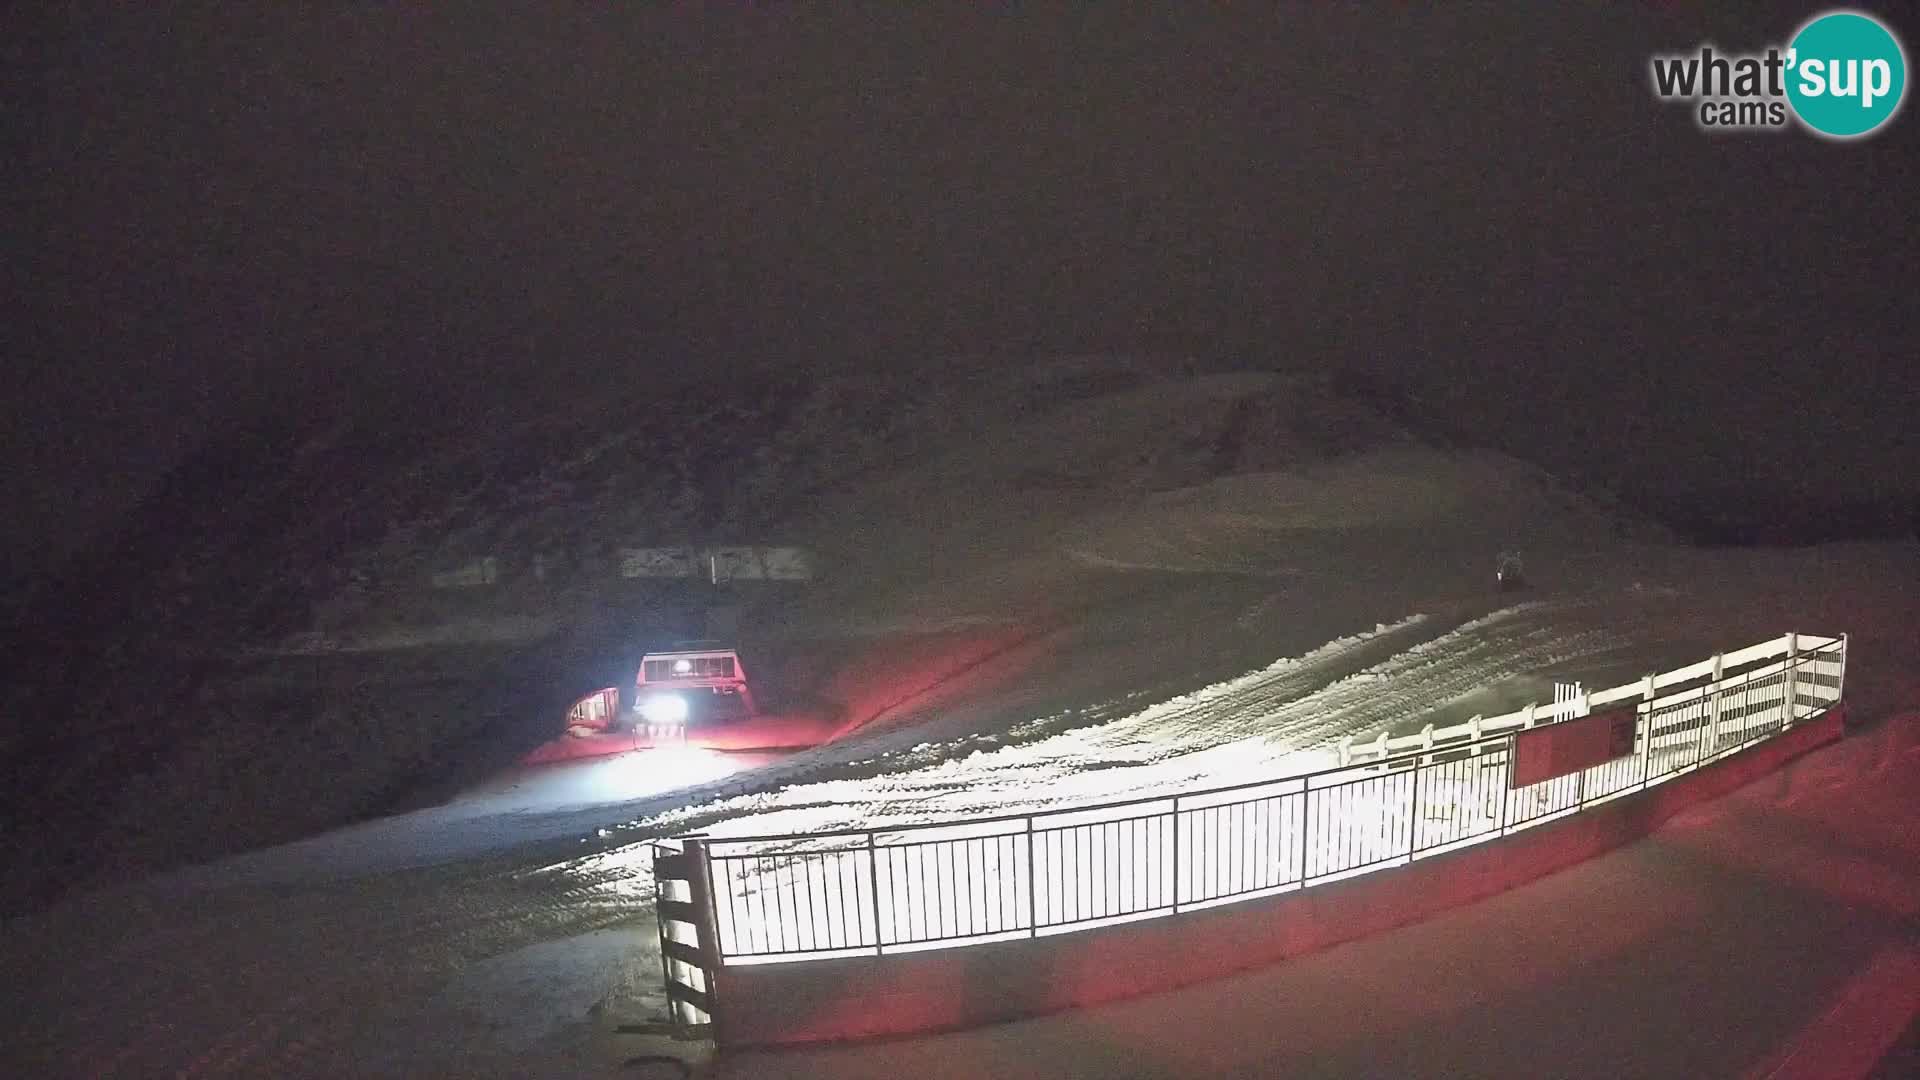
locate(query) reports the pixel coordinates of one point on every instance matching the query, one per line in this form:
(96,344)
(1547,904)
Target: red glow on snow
(885,676)
(1868,1015)
(965,987)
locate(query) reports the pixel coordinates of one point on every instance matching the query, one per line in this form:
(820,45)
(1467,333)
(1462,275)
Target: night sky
(216,216)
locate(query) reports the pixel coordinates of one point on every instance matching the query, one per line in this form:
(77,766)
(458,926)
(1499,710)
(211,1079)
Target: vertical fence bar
(1033,886)
(1506,789)
(873,887)
(1161,848)
(1643,728)
(1715,705)
(1413,804)
(1787,680)
(707,930)
(1840,692)
(700,894)
(1306,829)
(666,957)
(1176,854)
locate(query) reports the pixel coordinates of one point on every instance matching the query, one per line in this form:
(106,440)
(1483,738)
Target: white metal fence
(1391,801)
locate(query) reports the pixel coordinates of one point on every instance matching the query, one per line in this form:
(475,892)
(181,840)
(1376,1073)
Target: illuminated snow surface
(1779,918)
(1279,720)
(504,933)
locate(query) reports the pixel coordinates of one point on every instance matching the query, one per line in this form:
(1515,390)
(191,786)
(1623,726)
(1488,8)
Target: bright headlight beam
(664,709)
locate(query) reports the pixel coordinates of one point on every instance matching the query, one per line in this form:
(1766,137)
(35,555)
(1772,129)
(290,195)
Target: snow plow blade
(772,731)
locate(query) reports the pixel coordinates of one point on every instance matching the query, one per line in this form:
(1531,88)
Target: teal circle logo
(1846,74)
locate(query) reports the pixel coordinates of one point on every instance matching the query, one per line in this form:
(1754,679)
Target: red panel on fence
(1567,747)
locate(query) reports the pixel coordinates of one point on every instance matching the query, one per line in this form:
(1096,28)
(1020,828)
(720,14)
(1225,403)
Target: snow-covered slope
(1196,578)
(985,495)
(516,954)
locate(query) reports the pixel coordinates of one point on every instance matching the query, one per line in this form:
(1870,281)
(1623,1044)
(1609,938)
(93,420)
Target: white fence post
(1713,702)
(1840,692)
(1646,735)
(1786,688)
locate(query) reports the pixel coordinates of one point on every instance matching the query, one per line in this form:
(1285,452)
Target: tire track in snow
(830,768)
(866,754)
(1265,723)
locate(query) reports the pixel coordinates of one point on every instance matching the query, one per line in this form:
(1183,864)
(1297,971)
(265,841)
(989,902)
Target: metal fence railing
(1392,801)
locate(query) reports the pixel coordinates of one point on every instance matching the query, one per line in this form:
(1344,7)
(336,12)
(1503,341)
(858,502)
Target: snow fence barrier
(854,908)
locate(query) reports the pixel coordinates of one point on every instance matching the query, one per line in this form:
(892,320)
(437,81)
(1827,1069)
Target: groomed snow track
(1250,724)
